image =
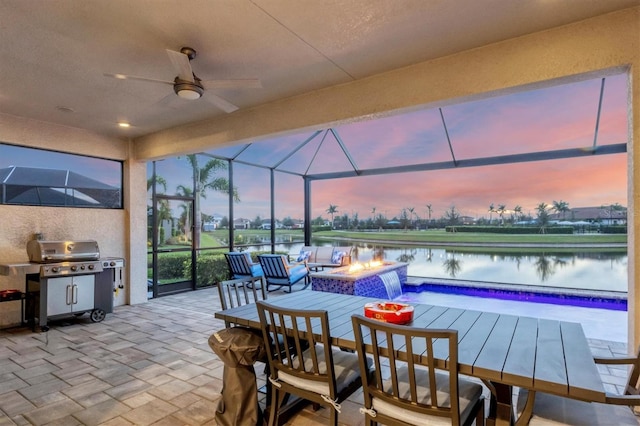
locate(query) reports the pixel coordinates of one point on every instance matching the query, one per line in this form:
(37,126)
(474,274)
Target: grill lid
(62,251)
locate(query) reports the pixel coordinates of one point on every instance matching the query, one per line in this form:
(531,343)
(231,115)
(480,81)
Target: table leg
(500,408)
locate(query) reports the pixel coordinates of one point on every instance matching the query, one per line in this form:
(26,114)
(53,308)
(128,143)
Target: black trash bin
(239,348)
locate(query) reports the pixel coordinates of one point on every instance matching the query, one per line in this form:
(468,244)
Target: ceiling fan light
(189,94)
(188,90)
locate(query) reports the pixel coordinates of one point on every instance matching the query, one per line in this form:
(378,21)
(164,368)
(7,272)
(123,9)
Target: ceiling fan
(188,86)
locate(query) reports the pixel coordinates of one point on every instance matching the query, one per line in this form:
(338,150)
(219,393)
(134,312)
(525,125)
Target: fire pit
(383,280)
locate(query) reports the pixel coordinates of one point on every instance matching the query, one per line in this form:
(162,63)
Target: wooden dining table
(502,350)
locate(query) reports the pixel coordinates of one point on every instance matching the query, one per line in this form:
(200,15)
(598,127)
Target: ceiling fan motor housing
(188,90)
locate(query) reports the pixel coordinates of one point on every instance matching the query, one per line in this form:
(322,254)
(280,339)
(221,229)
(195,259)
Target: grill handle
(69,295)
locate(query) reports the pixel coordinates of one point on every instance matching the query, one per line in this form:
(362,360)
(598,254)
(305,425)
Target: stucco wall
(19,223)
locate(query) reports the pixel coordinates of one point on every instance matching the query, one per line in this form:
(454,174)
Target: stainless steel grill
(64,258)
(68,281)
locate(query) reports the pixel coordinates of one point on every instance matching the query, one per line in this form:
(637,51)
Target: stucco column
(135,204)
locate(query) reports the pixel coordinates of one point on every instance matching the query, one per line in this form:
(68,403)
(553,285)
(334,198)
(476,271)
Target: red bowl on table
(393,312)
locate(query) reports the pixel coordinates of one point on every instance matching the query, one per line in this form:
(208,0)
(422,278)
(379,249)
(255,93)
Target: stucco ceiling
(54,54)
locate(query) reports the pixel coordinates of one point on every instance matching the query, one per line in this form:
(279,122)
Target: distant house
(266,224)
(213,224)
(467,220)
(241,224)
(603,215)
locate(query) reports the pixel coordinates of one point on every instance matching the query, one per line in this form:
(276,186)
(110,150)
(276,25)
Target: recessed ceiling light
(124,124)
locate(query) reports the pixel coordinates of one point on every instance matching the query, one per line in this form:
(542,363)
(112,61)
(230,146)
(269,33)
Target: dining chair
(241,265)
(234,293)
(415,378)
(321,373)
(279,272)
(538,408)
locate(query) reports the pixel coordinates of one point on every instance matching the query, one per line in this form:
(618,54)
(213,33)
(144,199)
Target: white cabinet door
(59,295)
(84,288)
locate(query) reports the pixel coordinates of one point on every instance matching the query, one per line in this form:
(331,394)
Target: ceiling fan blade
(181,64)
(221,103)
(248,83)
(133,77)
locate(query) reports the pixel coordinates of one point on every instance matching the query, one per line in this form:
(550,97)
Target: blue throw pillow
(337,256)
(304,255)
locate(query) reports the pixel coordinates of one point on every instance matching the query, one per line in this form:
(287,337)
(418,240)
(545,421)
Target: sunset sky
(547,119)
(552,118)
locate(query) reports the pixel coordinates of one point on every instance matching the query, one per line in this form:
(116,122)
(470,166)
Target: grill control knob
(74,268)
(112,263)
(55,269)
(82,267)
(91,267)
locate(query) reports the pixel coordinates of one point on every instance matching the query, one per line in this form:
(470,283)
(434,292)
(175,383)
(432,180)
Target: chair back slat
(238,263)
(274,266)
(408,353)
(240,292)
(309,335)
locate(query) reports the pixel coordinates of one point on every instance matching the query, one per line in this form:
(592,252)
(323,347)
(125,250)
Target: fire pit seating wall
(323,257)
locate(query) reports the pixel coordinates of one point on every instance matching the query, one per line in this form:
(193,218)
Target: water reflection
(452,266)
(593,270)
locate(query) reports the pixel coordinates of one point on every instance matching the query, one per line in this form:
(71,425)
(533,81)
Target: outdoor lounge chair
(279,272)
(402,392)
(320,373)
(537,408)
(241,266)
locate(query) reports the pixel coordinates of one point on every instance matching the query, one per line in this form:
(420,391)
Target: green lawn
(440,236)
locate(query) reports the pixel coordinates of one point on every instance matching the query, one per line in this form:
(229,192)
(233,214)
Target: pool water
(566,297)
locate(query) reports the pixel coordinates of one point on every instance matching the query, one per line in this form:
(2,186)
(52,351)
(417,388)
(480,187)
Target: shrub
(614,229)
(512,230)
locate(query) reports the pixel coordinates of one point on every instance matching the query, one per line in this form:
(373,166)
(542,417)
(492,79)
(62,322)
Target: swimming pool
(616,301)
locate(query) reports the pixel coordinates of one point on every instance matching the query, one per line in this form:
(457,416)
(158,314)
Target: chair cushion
(468,393)
(337,256)
(553,410)
(323,254)
(345,367)
(312,253)
(256,270)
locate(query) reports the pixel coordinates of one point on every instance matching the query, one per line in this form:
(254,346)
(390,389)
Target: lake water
(579,269)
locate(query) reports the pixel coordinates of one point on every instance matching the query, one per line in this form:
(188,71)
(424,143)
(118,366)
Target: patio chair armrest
(630,400)
(615,360)
(302,262)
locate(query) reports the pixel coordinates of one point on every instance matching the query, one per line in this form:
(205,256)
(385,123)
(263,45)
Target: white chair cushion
(555,410)
(468,393)
(345,367)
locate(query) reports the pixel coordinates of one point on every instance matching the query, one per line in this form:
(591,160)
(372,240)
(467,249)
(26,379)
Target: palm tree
(560,207)
(332,210)
(429,210)
(159,181)
(204,179)
(492,209)
(412,212)
(185,217)
(501,211)
(518,211)
(543,216)
(452,217)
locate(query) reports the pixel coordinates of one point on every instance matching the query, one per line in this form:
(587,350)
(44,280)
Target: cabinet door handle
(69,295)
(75,294)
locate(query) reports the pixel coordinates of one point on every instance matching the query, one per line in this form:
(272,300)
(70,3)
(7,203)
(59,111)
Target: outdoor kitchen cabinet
(59,297)
(68,295)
